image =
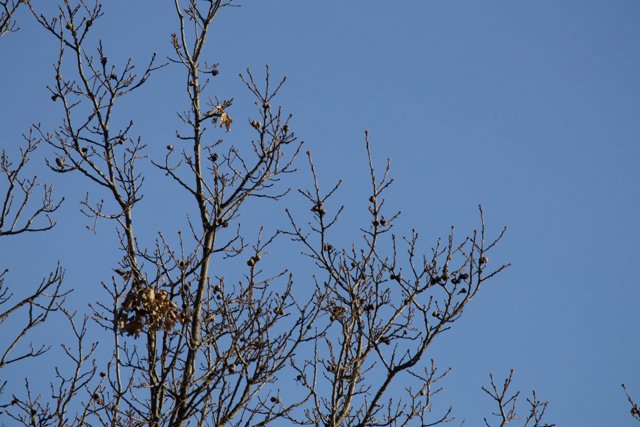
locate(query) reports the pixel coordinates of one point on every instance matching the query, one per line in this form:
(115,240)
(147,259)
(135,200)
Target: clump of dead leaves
(148,308)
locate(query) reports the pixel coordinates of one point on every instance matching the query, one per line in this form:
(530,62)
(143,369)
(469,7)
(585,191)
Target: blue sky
(530,108)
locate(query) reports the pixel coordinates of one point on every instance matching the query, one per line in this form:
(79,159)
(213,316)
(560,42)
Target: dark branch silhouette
(190,345)
(8,9)
(25,207)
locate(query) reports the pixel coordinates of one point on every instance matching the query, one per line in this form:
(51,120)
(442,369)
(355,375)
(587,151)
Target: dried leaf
(225,120)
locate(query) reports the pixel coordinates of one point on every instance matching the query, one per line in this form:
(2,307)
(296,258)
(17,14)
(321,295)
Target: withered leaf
(225,120)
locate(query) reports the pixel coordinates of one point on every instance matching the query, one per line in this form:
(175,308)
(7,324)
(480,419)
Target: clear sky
(531,108)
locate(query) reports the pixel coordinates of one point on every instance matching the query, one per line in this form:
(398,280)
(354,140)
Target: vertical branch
(191,60)
(238,361)
(88,143)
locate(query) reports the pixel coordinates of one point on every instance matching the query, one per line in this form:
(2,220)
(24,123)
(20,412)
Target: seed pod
(103,61)
(251,262)
(170,147)
(484,260)
(54,97)
(255,124)
(373,199)
(215,72)
(59,162)
(285,128)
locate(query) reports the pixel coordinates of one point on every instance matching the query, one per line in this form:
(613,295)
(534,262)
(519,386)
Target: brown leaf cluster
(149,309)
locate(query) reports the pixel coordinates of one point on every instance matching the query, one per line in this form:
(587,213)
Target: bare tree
(189,347)
(20,214)
(507,402)
(384,311)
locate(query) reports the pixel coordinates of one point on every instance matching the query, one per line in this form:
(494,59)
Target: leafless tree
(384,311)
(190,347)
(507,402)
(21,214)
